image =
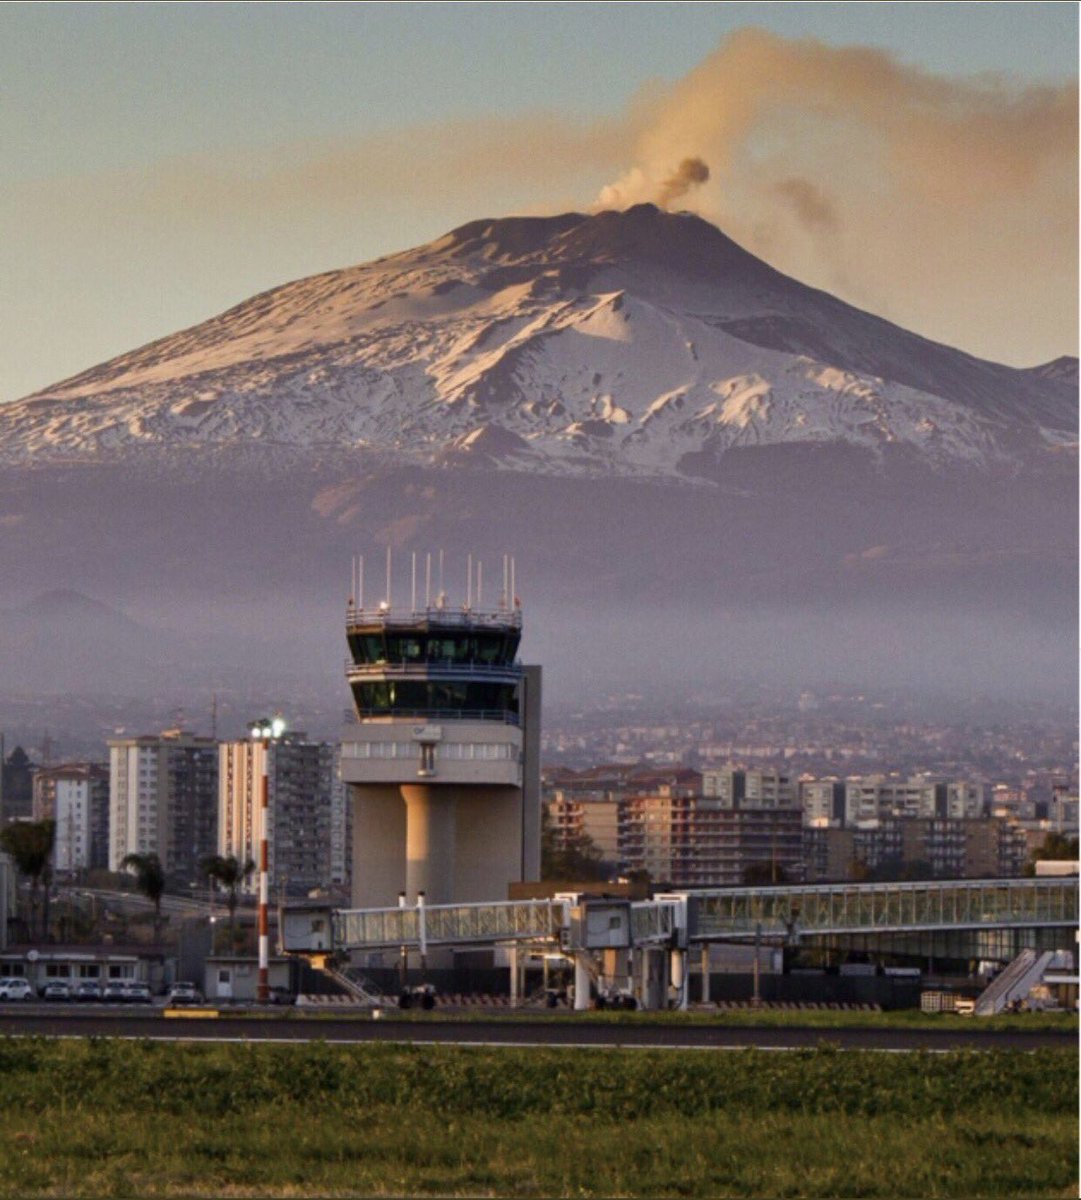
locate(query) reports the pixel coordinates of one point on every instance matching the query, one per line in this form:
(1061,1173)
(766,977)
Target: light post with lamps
(265,731)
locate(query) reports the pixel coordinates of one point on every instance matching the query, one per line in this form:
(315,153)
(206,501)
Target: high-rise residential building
(307,830)
(442,764)
(163,800)
(1015,803)
(341,831)
(76,797)
(733,787)
(823,802)
(937,847)
(1063,810)
(747,825)
(874,797)
(16,785)
(576,815)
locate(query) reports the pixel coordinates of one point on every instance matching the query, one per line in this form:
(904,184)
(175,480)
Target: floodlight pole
(263,992)
(264,731)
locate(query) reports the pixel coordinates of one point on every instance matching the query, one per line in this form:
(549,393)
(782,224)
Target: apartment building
(163,800)
(733,788)
(307,820)
(937,847)
(873,797)
(76,797)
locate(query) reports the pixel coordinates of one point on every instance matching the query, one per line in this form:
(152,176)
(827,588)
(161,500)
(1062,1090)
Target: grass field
(104,1118)
(906,1018)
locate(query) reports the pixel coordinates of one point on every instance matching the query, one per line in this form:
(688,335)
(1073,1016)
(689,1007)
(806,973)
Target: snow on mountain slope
(615,344)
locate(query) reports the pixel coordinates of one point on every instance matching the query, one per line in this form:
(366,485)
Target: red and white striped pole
(264,732)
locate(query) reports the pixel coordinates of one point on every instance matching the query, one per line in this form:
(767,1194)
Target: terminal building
(442,763)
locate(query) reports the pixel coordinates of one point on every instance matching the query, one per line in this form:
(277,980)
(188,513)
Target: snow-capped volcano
(857,502)
(637,343)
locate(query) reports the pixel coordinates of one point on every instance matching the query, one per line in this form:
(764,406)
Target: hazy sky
(160,163)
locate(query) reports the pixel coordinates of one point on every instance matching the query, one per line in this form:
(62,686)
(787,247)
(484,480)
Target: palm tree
(229,873)
(150,880)
(30,844)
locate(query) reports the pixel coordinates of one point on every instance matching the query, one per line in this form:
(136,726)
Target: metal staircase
(1014,982)
(359,989)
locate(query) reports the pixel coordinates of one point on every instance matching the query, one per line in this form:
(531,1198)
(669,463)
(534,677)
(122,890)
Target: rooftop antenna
(469,581)
(388,575)
(360,582)
(513,587)
(353,583)
(428,579)
(413,603)
(480,584)
(442,593)
(214,716)
(503,593)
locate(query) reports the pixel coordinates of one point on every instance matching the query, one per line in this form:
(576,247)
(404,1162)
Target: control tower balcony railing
(505,716)
(482,672)
(437,617)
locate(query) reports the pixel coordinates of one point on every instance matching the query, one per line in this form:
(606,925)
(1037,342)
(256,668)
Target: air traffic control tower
(443,762)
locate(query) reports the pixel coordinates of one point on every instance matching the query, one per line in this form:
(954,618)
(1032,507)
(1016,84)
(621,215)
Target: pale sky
(159,163)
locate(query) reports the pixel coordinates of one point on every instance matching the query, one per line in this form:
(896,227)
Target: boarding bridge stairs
(360,990)
(1014,982)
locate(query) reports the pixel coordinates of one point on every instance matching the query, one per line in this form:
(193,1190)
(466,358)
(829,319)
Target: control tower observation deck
(442,762)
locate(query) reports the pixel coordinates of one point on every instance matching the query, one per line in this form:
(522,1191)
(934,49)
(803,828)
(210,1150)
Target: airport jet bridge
(642,947)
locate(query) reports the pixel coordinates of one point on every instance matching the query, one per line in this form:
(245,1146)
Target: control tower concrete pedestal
(443,763)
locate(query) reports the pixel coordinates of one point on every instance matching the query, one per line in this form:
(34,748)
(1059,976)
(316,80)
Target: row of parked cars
(116,991)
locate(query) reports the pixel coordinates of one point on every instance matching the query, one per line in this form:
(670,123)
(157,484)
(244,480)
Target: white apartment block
(877,797)
(822,801)
(240,813)
(163,800)
(757,789)
(136,799)
(76,797)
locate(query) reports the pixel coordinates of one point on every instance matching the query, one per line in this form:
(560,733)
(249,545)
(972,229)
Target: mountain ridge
(615,343)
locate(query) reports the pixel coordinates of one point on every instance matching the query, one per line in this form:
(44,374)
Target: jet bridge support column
(678,974)
(653,977)
(581,981)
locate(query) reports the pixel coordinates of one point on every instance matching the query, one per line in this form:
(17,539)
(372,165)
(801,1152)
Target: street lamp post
(265,732)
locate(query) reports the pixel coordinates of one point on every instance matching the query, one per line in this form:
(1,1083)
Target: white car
(56,989)
(15,988)
(185,993)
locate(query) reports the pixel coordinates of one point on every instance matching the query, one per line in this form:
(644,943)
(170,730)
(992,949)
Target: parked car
(185,993)
(15,988)
(88,991)
(116,992)
(139,993)
(56,989)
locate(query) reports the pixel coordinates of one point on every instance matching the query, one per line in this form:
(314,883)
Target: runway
(563,1030)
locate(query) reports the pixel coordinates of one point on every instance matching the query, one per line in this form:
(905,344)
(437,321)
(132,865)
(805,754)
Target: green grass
(766,1018)
(100,1118)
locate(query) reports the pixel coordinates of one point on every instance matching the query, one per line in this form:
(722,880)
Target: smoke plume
(690,173)
(946,204)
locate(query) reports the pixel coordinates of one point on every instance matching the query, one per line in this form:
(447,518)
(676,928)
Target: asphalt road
(563,1030)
